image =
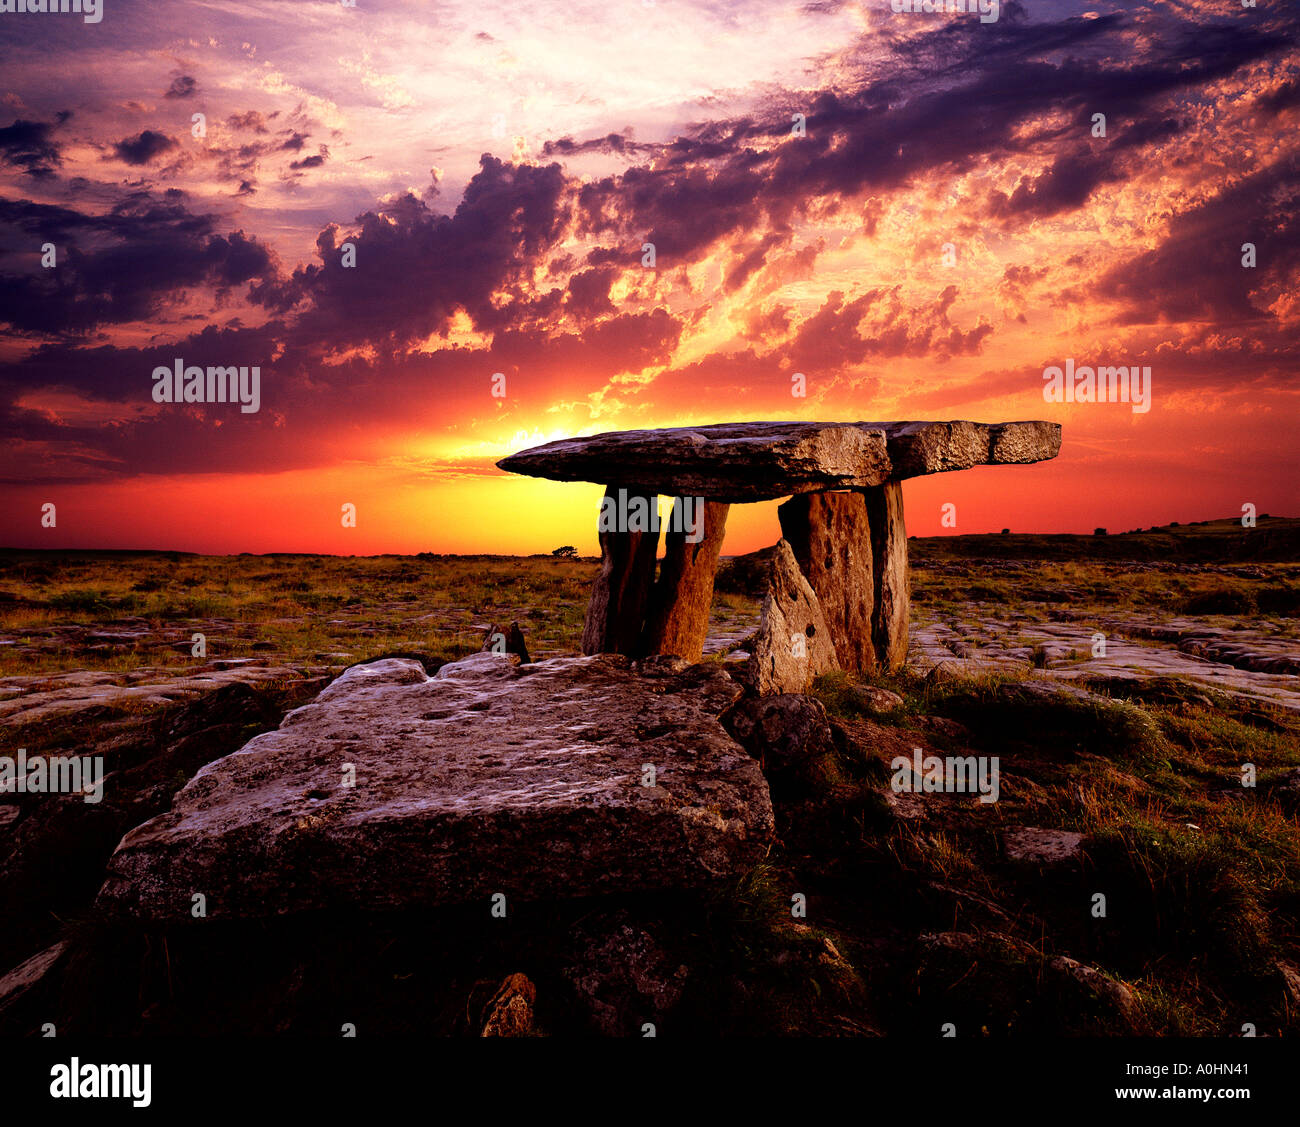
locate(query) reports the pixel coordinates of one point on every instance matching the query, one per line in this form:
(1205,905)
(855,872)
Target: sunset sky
(498,168)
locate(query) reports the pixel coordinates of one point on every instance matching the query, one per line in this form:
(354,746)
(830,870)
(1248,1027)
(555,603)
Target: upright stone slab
(830,536)
(889,569)
(621,592)
(793,643)
(678,619)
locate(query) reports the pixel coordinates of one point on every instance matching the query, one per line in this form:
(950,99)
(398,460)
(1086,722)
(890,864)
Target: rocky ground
(1256,663)
(765,879)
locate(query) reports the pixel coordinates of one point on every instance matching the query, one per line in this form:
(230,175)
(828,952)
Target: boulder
(793,642)
(782,731)
(489,777)
(40,698)
(793,739)
(1287,790)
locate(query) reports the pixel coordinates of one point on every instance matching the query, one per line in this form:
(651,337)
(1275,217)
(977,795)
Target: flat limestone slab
(36,699)
(737,462)
(487,777)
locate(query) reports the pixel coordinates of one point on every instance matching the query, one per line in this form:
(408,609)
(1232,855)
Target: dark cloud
(610,143)
(241,161)
(962,96)
(589,292)
(250,121)
(763,325)
(415,268)
(750,261)
(1073,177)
(390,390)
(183,87)
(1283,98)
(1066,185)
(842,334)
(601,256)
(144,147)
(28,145)
(129,264)
(1196,272)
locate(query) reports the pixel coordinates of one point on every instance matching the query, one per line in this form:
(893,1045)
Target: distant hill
(1273,540)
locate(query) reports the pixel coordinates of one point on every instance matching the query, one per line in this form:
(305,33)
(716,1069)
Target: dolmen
(837,595)
(495,779)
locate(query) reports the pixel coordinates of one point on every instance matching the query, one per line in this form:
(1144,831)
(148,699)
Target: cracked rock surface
(489,777)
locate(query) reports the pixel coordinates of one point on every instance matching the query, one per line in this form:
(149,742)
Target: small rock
(29,974)
(1287,790)
(622,976)
(1041,847)
(942,673)
(510,1012)
(506,641)
(1115,995)
(906,804)
(881,700)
